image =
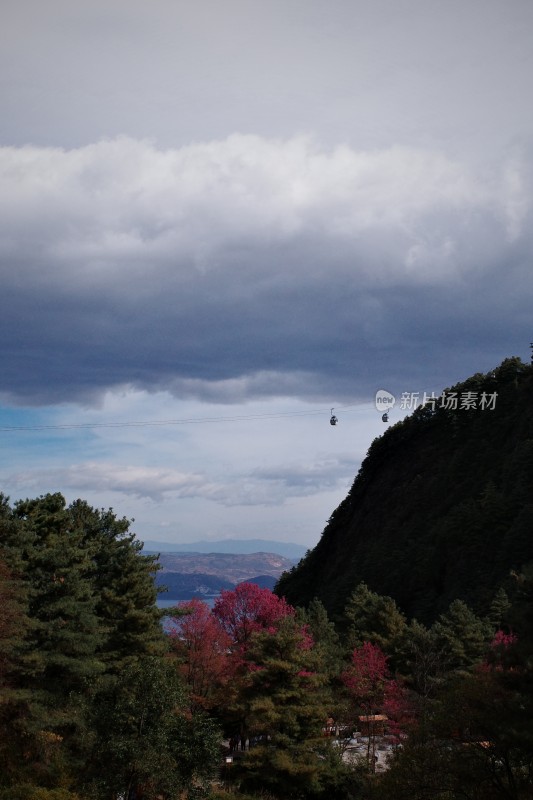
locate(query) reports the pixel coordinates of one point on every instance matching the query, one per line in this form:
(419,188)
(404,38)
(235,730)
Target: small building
(373,724)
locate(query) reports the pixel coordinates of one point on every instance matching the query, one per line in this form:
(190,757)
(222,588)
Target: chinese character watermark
(449,401)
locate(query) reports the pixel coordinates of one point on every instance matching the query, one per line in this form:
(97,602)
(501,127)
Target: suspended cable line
(160,423)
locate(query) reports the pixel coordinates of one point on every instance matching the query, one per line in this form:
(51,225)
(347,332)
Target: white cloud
(124,209)
(272,486)
(216,253)
(214,270)
(139,481)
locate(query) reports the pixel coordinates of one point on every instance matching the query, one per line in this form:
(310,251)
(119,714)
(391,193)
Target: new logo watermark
(384,400)
(453,401)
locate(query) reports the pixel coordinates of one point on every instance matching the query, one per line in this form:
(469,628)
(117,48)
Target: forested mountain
(441,509)
(250,697)
(97,703)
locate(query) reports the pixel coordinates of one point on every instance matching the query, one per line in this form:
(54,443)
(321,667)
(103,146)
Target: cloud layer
(261,487)
(255,267)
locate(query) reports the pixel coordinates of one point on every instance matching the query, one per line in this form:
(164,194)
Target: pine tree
(57,662)
(124,587)
(422,660)
(499,607)
(89,603)
(13,627)
(324,635)
(462,636)
(284,700)
(373,618)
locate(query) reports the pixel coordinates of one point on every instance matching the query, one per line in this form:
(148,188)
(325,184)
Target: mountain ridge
(196,574)
(290,550)
(441,509)
(232,567)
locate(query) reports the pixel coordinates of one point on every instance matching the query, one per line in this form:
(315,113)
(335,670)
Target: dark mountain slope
(442,507)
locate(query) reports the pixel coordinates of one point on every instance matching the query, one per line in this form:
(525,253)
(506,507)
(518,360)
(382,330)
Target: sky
(219,220)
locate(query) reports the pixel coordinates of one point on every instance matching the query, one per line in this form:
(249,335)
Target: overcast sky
(227,217)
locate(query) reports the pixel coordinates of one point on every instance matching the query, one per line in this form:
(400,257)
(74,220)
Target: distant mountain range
(205,575)
(241,546)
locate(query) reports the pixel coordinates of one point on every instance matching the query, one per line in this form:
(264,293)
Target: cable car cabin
(333,419)
(385,417)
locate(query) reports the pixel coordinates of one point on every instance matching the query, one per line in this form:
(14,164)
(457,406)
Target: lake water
(166,602)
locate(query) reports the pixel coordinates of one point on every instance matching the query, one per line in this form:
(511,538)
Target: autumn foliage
(373,690)
(202,647)
(210,644)
(248,609)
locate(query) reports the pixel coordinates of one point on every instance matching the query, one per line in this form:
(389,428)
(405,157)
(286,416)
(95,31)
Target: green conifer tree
(124,588)
(462,636)
(499,608)
(89,604)
(326,639)
(59,664)
(373,618)
(285,700)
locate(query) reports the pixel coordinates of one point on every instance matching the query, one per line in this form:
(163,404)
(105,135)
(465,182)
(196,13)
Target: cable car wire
(160,423)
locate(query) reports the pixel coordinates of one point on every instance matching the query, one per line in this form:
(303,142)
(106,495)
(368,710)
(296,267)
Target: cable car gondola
(333,419)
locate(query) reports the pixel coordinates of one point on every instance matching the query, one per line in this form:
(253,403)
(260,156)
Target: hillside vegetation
(90,706)
(441,509)
(253,697)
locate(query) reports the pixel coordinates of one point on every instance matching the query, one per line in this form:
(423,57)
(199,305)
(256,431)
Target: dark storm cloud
(252,267)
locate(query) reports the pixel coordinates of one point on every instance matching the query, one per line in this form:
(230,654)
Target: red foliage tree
(366,678)
(502,651)
(373,690)
(503,640)
(247,609)
(202,647)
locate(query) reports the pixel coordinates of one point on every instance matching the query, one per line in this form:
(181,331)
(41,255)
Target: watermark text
(451,401)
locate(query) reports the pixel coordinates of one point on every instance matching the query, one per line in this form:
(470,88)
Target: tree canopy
(89,703)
